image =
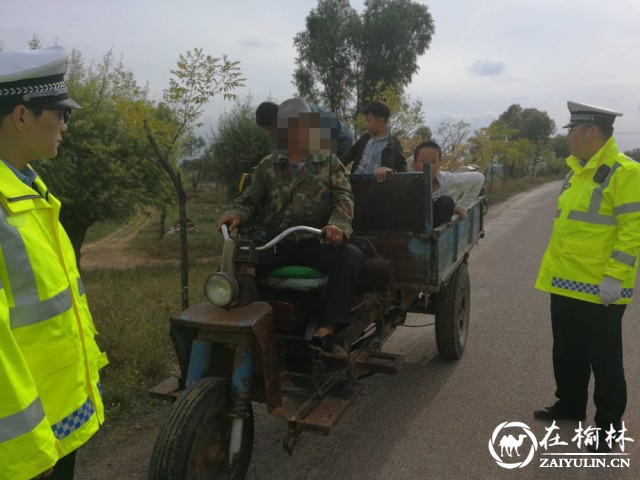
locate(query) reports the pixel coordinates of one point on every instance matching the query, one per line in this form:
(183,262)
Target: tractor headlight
(221,289)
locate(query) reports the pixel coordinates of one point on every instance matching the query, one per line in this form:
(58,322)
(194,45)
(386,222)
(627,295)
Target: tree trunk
(184,245)
(163,222)
(76,231)
(176,179)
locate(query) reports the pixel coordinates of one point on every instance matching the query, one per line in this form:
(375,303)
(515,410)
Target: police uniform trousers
(588,337)
(64,468)
(342,263)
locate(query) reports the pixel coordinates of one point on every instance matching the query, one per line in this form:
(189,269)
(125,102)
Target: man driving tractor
(301,184)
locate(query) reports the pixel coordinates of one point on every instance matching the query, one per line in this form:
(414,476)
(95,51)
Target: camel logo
(510,438)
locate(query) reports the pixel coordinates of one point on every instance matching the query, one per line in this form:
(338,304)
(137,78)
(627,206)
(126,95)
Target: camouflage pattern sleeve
(246,205)
(341,196)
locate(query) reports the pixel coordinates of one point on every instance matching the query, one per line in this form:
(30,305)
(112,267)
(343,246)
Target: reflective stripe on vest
(74,421)
(633,207)
(592,215)
(28,308)
(623,258)
(583,287)
(21,422)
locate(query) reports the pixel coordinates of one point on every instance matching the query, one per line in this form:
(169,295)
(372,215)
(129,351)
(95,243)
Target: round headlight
(221,289)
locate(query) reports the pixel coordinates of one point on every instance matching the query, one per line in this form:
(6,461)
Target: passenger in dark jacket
(377,151)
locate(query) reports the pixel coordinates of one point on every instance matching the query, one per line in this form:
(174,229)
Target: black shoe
(602,446)
(328,347)
(557,413)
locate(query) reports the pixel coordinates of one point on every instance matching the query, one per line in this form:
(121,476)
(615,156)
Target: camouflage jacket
(318,195)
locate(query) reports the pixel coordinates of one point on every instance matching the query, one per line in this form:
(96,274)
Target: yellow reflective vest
(49,322)
(27,444)
(596,231)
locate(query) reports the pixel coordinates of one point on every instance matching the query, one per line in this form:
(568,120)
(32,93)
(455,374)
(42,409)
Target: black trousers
(442,210)
(64,468)
(588,337)
(343,264)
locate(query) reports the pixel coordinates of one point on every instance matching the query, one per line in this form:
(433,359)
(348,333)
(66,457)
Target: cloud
(254,42)
(486,68)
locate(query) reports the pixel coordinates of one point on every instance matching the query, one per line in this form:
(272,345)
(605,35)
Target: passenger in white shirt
(452,192)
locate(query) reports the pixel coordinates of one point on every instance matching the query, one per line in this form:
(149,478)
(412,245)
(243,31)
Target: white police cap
(34,78)
(581,113)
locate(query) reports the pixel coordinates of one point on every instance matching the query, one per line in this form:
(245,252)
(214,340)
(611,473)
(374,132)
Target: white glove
(610,290)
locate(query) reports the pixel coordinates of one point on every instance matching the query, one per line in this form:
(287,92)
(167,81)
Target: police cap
(34,78)
(582,113)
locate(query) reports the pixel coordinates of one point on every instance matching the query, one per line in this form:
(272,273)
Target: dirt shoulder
(122,447)
(111,252)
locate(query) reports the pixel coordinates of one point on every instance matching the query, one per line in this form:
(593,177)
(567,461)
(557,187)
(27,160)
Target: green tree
(196,79)
(533,125)
(325,71)
(453,141)
(634,154)
(495,146)
(394,34)
(559,146)
(102,172)
(347,60)
(238,145)
(194,164)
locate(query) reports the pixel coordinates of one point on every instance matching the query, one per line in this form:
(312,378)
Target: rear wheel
(194,444)
(452,315)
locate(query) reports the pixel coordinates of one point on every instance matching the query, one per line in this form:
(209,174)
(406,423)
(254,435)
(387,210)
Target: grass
(131,310)
(501,190)
(204,207)
(100,230)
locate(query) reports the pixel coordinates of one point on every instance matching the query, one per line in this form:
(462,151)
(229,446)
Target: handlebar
(287,232)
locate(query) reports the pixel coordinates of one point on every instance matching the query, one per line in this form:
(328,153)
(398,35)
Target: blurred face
(298,134)
(374,125)
(427,155)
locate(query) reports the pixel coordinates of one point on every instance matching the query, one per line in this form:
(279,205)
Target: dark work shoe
(557,413)
(328,347)
(601,446)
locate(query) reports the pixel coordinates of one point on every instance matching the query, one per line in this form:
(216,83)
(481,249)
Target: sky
(485,55)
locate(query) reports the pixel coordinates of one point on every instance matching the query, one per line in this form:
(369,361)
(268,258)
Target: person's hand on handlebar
(332,234)
(231,220)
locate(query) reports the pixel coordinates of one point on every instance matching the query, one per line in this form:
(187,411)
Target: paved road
(434,419)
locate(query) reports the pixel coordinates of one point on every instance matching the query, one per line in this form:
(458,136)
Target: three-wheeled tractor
(250,342)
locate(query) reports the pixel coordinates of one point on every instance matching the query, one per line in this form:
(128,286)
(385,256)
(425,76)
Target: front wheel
(452,315)
(194,444)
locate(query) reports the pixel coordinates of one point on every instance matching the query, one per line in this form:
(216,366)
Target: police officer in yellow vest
(50,398)
(589,269)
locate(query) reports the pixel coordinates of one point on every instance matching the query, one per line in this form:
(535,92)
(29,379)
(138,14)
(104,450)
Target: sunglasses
(63,113)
